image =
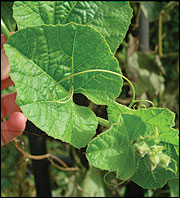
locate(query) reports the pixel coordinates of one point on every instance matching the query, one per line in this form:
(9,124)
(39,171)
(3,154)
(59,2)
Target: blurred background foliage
(155,75)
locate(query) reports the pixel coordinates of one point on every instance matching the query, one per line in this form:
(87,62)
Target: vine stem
(48,156)
(160,34)
(4,29)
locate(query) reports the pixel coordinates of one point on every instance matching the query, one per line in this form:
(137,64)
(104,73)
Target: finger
(8,105)
(3,40)
(13,127)
(5,66)
(6,83)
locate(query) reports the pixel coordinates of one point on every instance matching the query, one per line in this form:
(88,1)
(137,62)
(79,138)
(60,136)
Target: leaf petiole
(103,122)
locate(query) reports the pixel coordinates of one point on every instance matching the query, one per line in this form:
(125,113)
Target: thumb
(13,127)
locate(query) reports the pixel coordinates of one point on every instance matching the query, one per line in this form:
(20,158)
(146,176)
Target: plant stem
(4,29)
(48,156)
(160,34)
(103,122)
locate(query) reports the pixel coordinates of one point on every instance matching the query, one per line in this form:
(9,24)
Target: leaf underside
(42,56)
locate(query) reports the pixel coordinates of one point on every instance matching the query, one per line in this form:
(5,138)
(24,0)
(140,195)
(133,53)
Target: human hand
(17,121)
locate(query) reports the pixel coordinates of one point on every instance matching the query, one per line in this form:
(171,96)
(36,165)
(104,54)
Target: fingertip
(17,121)
(13,127)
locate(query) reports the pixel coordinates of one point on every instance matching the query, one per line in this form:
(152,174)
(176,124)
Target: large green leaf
(41,56)
(61,50)
(113,150)
(111,19)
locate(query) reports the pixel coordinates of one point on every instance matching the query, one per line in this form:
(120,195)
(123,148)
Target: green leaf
(148,179)
(93,184)
(169,135)
(114,110)
(157,178)
(40,57)
(113,150)
(111,19)
(6,15)
(170,149)
(162,118)
(61,50)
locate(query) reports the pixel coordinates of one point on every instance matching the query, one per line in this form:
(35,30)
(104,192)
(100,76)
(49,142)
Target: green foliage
(105,17)
(39,67)
(113,150)
(163,119)
(54,55)
(148,177)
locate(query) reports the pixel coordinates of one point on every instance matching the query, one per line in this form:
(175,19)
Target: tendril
(88,71)
(134,107)
(60,101)
(104,178)
(142,105)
